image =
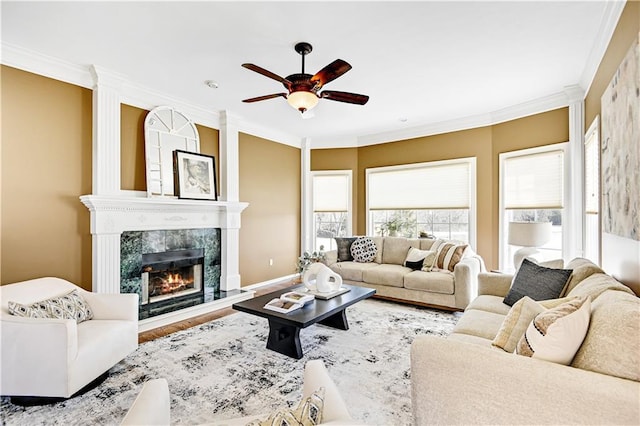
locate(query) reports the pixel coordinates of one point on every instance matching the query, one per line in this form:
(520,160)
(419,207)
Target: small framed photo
(195,175)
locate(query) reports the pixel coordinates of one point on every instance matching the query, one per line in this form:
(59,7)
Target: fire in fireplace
(172,277)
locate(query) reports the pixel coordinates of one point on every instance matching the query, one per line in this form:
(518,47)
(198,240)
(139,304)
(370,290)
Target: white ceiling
(420,62)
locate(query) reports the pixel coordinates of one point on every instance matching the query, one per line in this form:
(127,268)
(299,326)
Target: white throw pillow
(556,335)
(363,250)
(415,258)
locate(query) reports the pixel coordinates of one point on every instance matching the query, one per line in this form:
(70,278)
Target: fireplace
(171,280)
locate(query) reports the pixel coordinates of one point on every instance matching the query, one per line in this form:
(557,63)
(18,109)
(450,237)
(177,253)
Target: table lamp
(529,236)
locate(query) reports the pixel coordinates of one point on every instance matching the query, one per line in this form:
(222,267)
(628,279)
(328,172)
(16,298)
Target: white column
(229,158)
(106,272)
(306,210)
(230,191)
(573,222)
(106,175)
(106,131)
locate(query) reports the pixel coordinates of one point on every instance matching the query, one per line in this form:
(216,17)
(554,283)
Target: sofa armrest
(494,284)
(465,276)
(36,347)
(315,377)
(454,382)
(151,406)
(113,306)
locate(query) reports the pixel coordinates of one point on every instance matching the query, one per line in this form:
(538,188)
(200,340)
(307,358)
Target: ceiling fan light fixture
(302,100)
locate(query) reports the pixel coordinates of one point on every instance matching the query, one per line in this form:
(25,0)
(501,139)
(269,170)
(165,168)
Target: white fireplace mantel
(111,215)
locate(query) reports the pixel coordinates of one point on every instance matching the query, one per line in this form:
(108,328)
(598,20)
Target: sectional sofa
(386,272)
(466,379)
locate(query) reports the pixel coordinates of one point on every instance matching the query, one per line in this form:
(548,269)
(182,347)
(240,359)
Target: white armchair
(58,357)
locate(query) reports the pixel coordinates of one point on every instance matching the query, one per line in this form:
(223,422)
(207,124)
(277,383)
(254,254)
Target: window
(331,207)
(592,192)
(532,190)
(435,199)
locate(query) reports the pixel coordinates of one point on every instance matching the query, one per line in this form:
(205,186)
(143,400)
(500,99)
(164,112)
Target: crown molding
(611,16)
(88,76)
(37,63)
(273,135)
(535,106)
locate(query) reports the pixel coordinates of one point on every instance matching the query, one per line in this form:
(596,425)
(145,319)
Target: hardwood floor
(146,336)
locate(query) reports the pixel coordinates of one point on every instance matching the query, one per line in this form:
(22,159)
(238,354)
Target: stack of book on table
(289,302)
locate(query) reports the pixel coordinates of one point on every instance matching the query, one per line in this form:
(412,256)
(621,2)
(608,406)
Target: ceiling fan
(303,88)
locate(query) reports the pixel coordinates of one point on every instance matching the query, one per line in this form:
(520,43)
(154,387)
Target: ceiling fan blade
(265,97)
(269,74)
(351,98)
(329,73)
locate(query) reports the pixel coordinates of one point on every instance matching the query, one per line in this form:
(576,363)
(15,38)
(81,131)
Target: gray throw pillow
(344,248)
(537,282)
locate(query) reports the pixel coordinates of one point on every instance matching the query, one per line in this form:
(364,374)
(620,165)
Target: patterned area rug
(222,370)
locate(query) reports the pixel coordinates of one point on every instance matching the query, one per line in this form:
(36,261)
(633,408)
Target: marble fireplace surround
(132,211)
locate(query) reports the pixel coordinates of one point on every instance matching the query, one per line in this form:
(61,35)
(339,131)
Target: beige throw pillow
(555,335)
(518,319)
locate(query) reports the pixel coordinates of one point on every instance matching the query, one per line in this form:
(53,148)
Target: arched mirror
(165,130)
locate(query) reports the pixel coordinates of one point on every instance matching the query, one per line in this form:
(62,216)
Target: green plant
(308,258)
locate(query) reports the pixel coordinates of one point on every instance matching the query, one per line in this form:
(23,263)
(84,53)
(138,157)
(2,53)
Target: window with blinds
(330,192)
(331,195)
(532,189)
(424,186)
(435,199)
(534,181)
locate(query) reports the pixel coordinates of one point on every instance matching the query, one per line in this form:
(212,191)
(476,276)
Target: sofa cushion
(352,271)
(537,282)
(489,303)
(556,334)
(479,323)
(344,248)
(364,250)
(385,274)
(429,244)
(379,244)
(395,250)
(518,319)
(449,254)
(582,269)
(597,284)
(67,306)
(434,282)
(612,344)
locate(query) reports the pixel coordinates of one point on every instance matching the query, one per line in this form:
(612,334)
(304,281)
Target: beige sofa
(391,280)
(463,379)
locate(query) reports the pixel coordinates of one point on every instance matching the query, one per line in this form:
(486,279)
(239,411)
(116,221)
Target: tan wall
(46,166)
(270,183)
(340,159)
(620,256)
(484,143)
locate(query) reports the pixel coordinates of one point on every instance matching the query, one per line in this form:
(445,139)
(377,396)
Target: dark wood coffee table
(284,329)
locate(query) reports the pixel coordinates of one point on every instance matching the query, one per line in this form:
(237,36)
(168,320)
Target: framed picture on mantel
(195,175)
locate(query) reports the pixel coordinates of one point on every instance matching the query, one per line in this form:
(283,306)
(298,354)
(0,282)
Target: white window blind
(445,186)
(591,174)
(534,181)
(330,193)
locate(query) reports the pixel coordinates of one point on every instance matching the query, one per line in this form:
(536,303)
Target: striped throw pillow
(449,254)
